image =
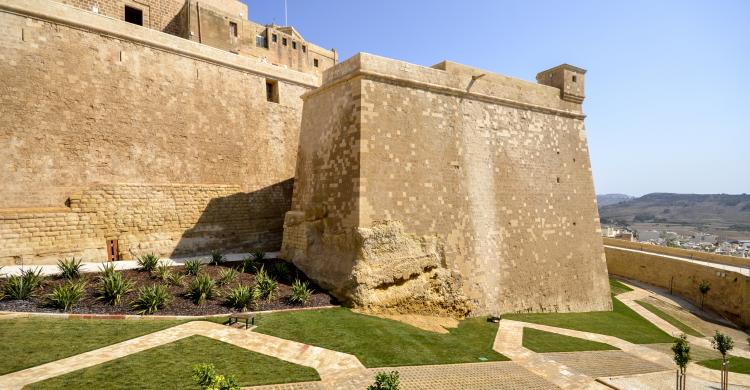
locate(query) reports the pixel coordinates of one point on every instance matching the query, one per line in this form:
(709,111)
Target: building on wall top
(567,78)
(223,24)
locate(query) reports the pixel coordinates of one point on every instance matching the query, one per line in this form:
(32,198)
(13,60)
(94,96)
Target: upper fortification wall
(89,101)
(442,190)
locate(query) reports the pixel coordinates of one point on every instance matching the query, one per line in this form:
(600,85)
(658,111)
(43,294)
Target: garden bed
(180,304)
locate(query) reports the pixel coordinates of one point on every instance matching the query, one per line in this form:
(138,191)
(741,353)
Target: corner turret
(567,78)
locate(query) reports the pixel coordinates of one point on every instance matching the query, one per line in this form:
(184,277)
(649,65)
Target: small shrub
(67,295)
(69,268)
(148,262)
(201,289)
(249,264)
(207,378)
(113,287)
(226,276)
(282,270)
(704,287)
(301,292)
(107,269)
(24,286)
(176,279)
(681,350)
(151,299)
(163,271)
(722,343)
(193,267)
(386,381)
(258,255)
(266,285)
(217,258)
(241,297)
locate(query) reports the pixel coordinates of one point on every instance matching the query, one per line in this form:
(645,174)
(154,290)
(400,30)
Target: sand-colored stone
(447,190)
(428,323)
(730,284)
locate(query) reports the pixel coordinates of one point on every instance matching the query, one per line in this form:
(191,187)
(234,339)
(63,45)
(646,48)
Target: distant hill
(730,212)
(610,199)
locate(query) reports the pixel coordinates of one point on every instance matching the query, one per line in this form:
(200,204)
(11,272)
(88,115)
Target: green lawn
(666,317)
(617,287)
(736,364)
(29,342)
(540,341)
(379,342)
(622,322)
(170,367)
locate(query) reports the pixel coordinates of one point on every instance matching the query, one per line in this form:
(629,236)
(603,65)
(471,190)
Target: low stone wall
(729,294)
(170,220)
(679,252)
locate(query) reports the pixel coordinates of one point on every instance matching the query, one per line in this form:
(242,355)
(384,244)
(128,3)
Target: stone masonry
(447,190)
(89,104)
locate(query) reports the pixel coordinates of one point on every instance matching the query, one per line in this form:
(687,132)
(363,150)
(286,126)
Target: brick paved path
(475,376)
(605,363)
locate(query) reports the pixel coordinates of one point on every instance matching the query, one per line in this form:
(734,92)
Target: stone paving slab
(664,381)
(605,363)
(326,362)
(474,376)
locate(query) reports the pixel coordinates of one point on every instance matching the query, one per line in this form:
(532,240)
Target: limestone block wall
(171,220)
(679,252)
(87,101)
(162,15)
(427,189)
(729,294)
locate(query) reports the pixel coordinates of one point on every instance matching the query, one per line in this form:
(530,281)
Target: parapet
(567,78)
(455,79)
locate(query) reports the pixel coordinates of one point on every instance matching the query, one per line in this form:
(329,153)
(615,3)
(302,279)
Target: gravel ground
(181,304)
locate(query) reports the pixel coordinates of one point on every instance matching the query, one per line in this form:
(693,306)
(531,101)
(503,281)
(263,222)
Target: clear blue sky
(667,88)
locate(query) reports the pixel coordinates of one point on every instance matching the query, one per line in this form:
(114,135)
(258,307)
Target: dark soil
(181,304)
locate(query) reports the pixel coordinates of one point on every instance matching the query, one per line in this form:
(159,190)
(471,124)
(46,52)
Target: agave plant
(227,276)
(176,279)
(266,285)
(113,287)
(241,297)
(217,258)
(163,271)
(67,295)
(301,293)
(148,262)
(201,289)
(69,268)
(24,286)
(107,269)
(193,267)
(151,299)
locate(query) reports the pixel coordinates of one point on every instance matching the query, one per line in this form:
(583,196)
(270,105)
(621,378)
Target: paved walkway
(741,270)
(633,366)
(52,269)
(326,362)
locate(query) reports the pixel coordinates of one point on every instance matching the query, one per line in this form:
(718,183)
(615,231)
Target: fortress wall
(679,252)
(87,101)
(729,294)
(162,15)
(175,220)
(465,200)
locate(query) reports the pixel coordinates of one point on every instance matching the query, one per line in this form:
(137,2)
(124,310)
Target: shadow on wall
(239,222)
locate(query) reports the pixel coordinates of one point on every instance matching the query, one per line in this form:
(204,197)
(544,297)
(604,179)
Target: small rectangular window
(260,41)
(315,62)
(304,49)
(133,15)
(272,91)
(233,29)
(274,38)
(574,78)
(283,41)
(294,45)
